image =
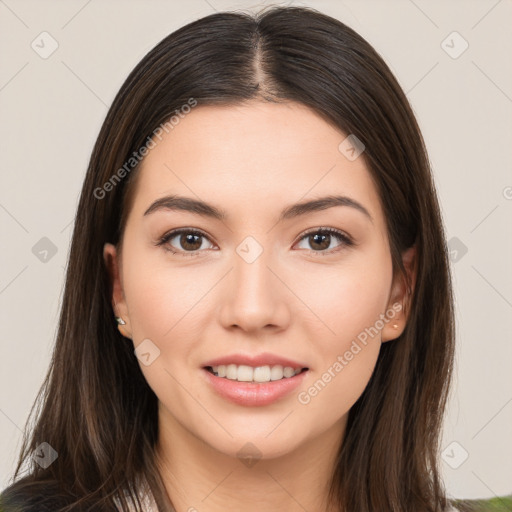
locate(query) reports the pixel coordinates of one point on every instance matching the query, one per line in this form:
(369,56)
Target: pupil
(324,238)
(188,239)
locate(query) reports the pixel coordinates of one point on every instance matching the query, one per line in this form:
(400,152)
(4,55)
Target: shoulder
(27,495)
(24,496)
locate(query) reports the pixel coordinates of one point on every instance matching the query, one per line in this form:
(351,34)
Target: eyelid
(169,235)
(325,229)
(345,239)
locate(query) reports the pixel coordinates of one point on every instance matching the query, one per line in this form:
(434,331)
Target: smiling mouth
(259,374)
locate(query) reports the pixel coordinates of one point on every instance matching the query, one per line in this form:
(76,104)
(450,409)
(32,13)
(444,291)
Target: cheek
(345,298)
(164,303)
(348,302)
(161,296)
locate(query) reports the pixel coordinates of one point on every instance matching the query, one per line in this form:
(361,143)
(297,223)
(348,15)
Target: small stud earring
(120,321)
(395,326)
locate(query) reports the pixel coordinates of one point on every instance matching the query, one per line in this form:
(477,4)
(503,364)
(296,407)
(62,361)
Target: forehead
(253,157)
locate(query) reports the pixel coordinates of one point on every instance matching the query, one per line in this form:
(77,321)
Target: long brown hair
(96,409)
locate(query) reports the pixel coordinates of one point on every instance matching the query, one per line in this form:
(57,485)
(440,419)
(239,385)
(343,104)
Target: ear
(120,309)
(400,297)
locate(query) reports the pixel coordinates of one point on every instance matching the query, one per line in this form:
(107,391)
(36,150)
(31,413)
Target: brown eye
(320,240)
(184,241)
(190,241)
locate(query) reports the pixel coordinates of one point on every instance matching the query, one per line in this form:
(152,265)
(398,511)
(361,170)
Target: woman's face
(260,284)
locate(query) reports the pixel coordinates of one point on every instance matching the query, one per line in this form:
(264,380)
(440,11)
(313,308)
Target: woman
(299,356)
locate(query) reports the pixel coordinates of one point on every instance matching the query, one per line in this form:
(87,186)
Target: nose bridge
(255,297)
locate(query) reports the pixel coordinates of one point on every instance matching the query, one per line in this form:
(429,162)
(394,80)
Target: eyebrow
(204,209)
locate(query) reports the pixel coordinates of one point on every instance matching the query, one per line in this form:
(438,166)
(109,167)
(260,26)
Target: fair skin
(252,161)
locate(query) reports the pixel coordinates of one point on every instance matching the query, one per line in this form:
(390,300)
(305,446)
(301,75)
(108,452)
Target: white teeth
(288,372)
(262,374)
(244,373)
(231,371)
(276,373)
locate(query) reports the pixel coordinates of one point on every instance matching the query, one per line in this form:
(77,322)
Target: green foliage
(498,504)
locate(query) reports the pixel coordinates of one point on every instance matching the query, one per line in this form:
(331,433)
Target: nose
(255,296)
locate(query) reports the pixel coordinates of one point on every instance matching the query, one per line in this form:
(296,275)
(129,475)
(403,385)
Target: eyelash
(345,240)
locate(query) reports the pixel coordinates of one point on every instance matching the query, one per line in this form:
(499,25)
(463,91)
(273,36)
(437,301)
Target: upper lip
(264,359)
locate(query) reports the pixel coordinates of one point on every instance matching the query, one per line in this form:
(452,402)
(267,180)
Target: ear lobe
(401,295)
(120,309)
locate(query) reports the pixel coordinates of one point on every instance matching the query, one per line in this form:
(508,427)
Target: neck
(199,478)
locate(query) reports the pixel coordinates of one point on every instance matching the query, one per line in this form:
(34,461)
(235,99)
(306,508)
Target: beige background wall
(52,108)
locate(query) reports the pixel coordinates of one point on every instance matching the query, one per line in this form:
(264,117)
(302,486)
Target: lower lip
(253,393)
